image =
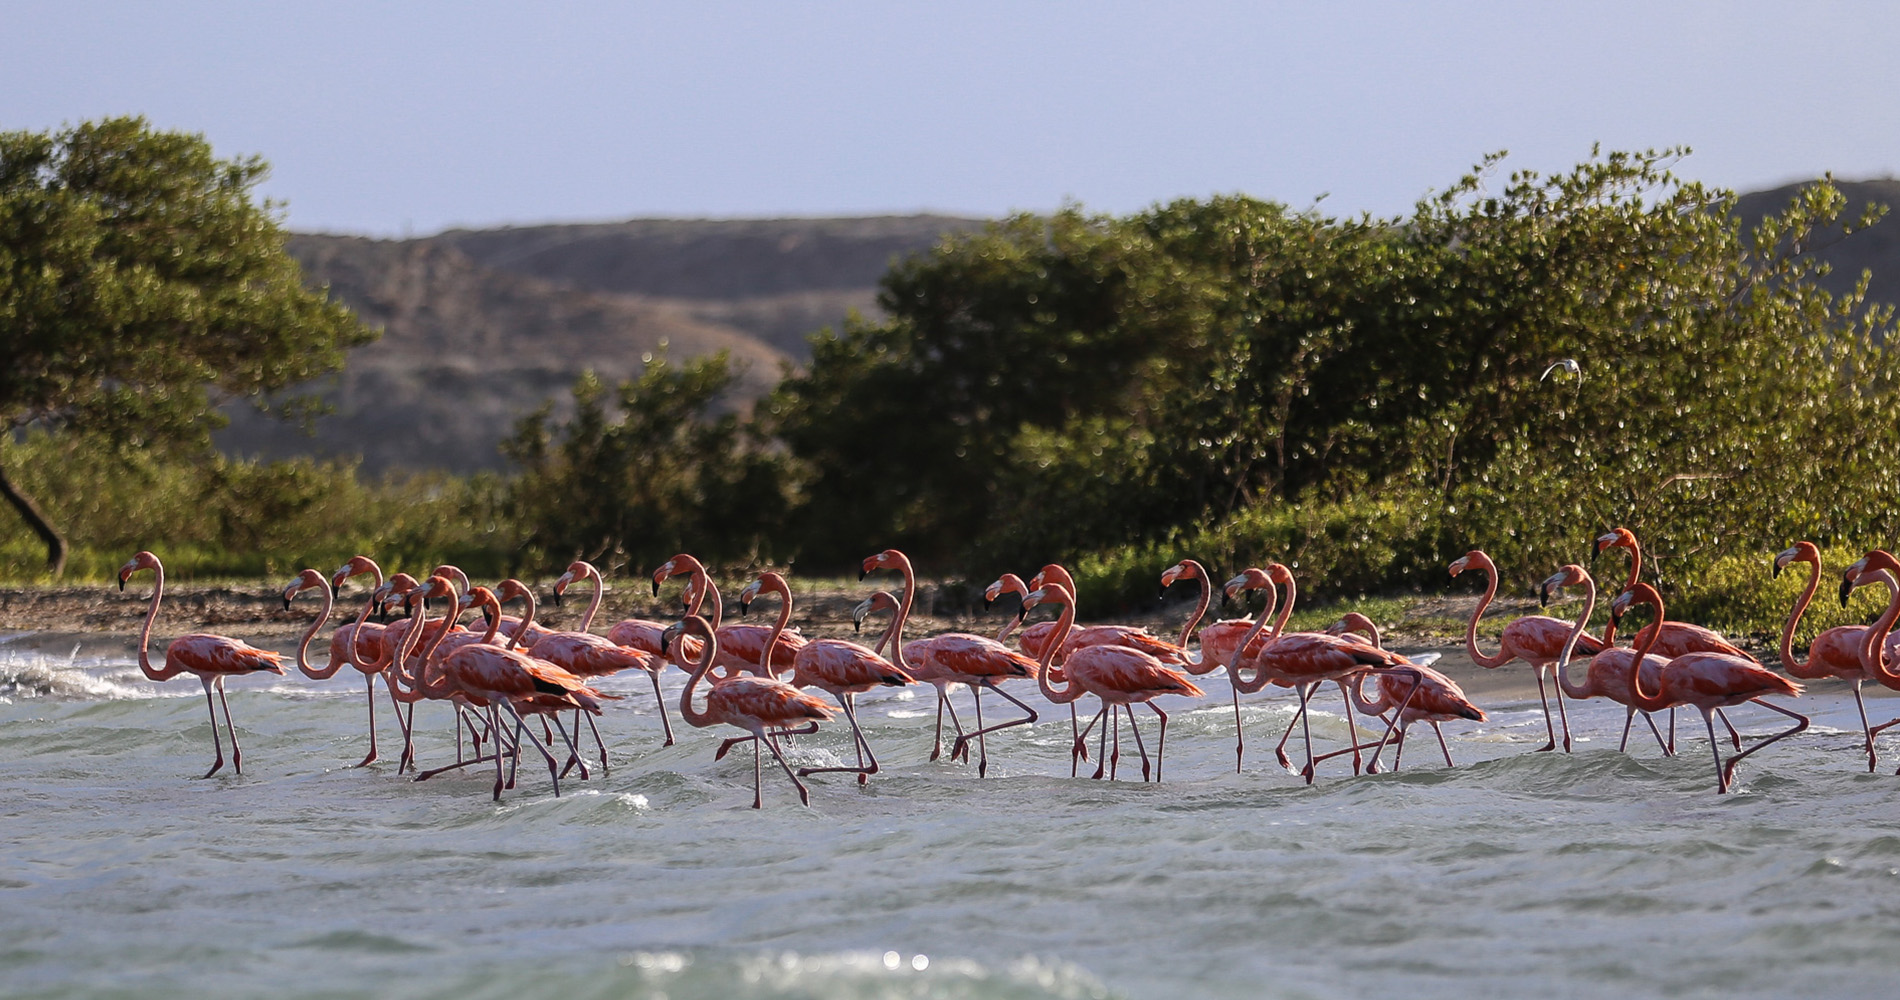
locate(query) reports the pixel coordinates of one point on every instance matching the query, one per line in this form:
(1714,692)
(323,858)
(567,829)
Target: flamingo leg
(432,772)
(1279,750)
(1306,729)
(1672,732)
(237,753)
(1441,745)
(573,749)
(1139,748)
(1563,715)
(1239,743)
(217,742)
(369,691)
(665,723)
(1629,719)
(982,741)
(936,746)
(1352,727)
(725,746)
(1101,762)
(1161,741)
(867,761)
(495,723)
(1418,680)
(804,794)
(538,745)
(1872,757)
(594,729)
(1081,751)
(758,778)
(1801,723)
(1028,718)
(514,758)
(1115,753)
(1732,734)
(1550,724)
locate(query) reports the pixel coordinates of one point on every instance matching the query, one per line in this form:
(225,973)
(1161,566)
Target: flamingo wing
(218,655)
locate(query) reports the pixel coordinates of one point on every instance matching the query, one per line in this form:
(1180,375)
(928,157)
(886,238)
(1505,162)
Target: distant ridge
(482,325)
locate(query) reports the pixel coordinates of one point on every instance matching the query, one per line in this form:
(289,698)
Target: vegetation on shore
(1227,378)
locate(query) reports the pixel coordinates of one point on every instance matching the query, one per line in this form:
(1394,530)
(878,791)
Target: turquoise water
(1595,874)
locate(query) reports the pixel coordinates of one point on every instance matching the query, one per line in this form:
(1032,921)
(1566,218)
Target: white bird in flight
(1567,364)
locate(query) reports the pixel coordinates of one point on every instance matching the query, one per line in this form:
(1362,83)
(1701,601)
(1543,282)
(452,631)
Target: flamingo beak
(557,597)
(1847,588)
(286,602)
(656,587)
(1543,596)
(121,585)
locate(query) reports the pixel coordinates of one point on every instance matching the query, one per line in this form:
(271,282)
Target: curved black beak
(1543,596)
(1847,588)
(121,585)
(664,637)
(743,606)
(1164,593)
(987,601)
(862,573)
(656,588)
(557,598)
(286,604)
(857,624)
(335,591)
(1776,574)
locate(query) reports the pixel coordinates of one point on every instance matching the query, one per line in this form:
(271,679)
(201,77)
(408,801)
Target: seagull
(1567,364)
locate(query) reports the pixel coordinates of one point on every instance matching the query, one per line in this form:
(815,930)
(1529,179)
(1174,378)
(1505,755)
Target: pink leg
(1352,729)
(217,742)
(237,754)
(1550,725)
(1135,728)
(1801,723)
(963,740)
(369,691)
(1161,741)
(867,762)
(1306,728)
(660,700)
(1101,762)
(1299,715)
(1417,679)
(1732,734)
(804,794)
(1441,746)
(1240,747)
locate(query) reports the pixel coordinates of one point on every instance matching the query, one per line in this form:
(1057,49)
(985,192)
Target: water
(1595,874)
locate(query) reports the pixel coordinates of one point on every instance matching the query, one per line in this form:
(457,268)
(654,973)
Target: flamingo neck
(1647,702)
(1260,679)
(1873,651)
(167,672)
(1064,622)
(895,633)
(1801,603)
(1575,691)
(351,650)
(593,606)
(1636,564)
(697,671)
(1200,607)
(784,591)
(1471,627)
(527,618)
(330,668)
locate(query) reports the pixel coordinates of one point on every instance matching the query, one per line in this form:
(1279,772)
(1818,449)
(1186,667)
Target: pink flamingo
(1836,652)
(1708,681)
(1881,646)
(845,669)
(210,658)
(342,643)
(1438,698)
(1536,639)
(1118,675)
(884,600)
(1304,659)
(1607,676)
(742,646)
(584,655)
(975,661)
(1677,638)
(761,706)
(631,633)
(487,675)
(1279,574)
(1219,639)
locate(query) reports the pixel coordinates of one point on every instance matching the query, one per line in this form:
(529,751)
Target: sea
(1589,874)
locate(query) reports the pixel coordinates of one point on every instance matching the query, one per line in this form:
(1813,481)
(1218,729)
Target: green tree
(141,284)
(652,467)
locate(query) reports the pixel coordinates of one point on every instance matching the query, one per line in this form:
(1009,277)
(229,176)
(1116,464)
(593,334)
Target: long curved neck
(895,634)
(709,592)
(784,591)
(167,672)
(593,606)
(1240,652)
(1801,603)
(527,619)
(1064,622)
(403,687)
(1873,651)
(1200,607)
(352,650)
(697,671)
(334,664)
(1636,564)
(1471,627)
(1647,702)
(1578,691)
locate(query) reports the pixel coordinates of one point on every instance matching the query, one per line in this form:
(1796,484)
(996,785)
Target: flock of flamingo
(760,679)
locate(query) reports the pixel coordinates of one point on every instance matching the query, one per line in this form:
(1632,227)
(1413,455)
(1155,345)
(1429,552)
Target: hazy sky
(389,118)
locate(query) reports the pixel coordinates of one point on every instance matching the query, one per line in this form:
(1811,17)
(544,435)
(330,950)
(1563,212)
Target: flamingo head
(1008,583)
(305,580)
(880,601)
(887,559)
(512,589)
(1186,569)
(747,595)
(396,587)
(681,563)
(143,560)
(1568,576)
(357,566)
(1475,559)
(1351,621)
(1278,573)
(1863,571)
(1049,593)
(1799,552)
(1249,579)
(1621,538)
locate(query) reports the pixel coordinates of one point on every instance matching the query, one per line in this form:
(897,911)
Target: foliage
(212,516)
(137,278)
(1366,397)
(652,469)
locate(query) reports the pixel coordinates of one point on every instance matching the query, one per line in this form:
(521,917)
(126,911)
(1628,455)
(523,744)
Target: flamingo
(845,669)
(1118,675)
(1303,659)
(761,706)
(1708,681)
(210,658)
(1607,676)
(1438,698)
(1880,646)
(584,655)
(1677,637)
(1278,573)
(343,641)
(1536,639)
(1836,651)
(978,662)
(884,600)
(487,675)
(631,633)
(742,646)
(1218,640)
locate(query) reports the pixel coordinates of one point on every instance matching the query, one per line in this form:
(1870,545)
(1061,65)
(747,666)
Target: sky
(398,119)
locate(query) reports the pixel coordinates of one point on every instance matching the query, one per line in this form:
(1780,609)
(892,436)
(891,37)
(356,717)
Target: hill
(480,327)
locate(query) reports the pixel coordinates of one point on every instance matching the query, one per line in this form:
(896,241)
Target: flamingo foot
(365,762)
